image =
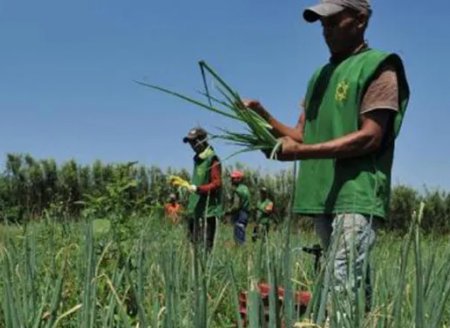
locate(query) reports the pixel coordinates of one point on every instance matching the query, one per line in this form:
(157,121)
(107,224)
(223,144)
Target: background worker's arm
(279,129)
(215,180)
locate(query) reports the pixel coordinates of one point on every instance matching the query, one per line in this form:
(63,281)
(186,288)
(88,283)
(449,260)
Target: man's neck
(357,48)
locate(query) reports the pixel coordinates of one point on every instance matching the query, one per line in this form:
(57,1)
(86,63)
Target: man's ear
(363,20)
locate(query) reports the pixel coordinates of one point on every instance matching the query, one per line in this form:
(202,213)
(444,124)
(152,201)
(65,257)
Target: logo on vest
(201,171)
(342,91)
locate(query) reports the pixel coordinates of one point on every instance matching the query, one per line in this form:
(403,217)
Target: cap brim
(191,138)
(314,13)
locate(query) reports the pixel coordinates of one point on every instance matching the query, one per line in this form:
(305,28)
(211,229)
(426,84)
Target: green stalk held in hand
(258,135)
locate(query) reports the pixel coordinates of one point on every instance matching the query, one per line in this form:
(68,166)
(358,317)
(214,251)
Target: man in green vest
(352,113)
(264,215)
(205,199)
(240,206)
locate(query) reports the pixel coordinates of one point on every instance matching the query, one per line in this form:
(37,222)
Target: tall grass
(74,277)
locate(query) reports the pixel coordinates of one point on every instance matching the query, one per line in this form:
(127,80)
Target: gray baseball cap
(330,7)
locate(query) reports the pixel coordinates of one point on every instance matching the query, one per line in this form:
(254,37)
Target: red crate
(301,299)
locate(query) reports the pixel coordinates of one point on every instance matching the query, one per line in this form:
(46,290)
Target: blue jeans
(354,235)
(240,220)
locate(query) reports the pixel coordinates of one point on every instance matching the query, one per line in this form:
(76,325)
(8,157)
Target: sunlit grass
(55,276)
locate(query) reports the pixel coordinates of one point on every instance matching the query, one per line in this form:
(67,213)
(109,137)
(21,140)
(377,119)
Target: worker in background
(264,215)
(240,206)
(173,209)
(205,199)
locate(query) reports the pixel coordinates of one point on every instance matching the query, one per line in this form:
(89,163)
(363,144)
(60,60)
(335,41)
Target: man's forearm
(352,145)
(366,140)
(280,130)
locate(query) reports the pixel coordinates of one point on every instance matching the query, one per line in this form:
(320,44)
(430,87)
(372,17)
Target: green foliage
(403,202)
(437,211)
(436,217)
(31,188)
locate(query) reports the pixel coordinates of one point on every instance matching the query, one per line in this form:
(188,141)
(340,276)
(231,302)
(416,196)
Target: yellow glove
(179,182)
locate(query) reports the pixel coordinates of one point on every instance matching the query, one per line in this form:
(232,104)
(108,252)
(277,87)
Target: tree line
(32,188)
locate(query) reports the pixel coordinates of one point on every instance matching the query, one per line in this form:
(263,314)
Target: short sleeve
(382,92)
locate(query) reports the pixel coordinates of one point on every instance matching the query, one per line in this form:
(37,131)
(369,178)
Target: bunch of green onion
(257,134)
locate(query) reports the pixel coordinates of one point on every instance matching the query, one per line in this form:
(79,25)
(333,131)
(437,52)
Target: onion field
(141,271)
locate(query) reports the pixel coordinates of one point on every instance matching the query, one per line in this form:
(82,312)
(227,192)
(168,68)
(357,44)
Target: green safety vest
(202,175)
(332,110)
(243,195)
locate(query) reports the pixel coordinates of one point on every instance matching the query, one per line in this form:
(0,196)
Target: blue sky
(66,72)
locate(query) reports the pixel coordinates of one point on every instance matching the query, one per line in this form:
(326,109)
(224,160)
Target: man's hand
(290,147)
(256,106)
(290,150)
(285,150)
(278,129)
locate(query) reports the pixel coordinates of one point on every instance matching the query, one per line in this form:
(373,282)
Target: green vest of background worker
(240,206)
(264,215)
